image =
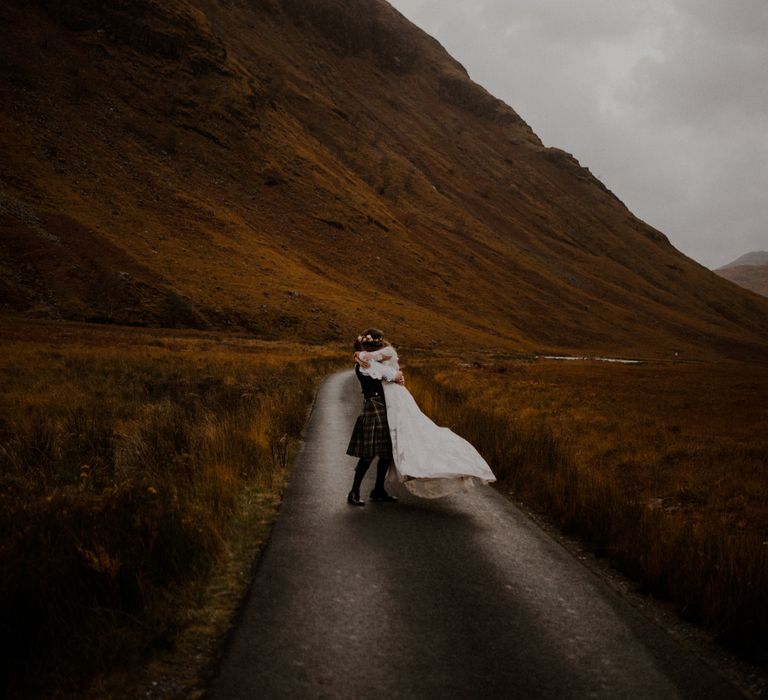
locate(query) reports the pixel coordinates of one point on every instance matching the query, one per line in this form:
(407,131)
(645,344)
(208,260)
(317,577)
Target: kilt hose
(370,437)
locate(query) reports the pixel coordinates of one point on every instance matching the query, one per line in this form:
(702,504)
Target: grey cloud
(704,76)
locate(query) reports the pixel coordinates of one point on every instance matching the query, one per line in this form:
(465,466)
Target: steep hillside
(299,168)
(752,277)
(749,271)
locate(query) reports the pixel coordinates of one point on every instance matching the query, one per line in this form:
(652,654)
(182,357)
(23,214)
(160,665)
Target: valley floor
(660,467)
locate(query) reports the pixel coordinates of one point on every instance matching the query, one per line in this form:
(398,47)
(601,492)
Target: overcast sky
(665,101)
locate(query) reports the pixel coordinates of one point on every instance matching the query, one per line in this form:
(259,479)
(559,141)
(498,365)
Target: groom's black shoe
(354,499)
(382,497)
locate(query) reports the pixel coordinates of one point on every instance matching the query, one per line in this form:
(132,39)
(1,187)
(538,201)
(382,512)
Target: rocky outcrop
(168,29)
(356,27)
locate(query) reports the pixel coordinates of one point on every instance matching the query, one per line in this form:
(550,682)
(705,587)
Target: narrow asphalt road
(457,598)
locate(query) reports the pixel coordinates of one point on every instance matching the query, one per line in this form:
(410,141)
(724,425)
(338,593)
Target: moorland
(197,195)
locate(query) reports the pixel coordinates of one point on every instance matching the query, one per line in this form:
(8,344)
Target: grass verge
(133,470)
(661,468)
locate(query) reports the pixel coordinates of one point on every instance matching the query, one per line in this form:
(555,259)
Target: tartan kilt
(370,437)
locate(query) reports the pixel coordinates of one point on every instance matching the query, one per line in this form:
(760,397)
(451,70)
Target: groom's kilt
(371,434)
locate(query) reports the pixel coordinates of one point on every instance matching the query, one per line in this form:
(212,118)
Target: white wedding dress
(429,461)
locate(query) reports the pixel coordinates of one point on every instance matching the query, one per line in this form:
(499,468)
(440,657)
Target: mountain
(302,168)
(752,277)
(757,257)
(749,271)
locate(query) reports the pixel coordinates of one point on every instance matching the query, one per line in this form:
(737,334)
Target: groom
(370,437)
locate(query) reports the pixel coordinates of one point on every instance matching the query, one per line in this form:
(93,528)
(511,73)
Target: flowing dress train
(430,461)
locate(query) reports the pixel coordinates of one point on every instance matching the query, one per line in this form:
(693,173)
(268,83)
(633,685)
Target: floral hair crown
(368,339)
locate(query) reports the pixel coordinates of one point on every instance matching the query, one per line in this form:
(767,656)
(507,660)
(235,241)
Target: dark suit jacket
(371,387)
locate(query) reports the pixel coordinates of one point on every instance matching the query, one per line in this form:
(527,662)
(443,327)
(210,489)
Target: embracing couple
(428,460)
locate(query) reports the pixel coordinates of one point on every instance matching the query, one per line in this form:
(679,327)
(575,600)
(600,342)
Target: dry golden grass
(662,467)
(126,458)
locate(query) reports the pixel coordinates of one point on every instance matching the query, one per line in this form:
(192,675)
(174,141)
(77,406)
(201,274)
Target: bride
(429,461)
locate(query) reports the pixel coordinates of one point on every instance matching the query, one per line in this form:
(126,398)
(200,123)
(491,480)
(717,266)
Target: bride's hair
(370,339)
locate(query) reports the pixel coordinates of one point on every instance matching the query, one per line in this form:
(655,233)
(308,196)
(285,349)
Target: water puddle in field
(589,357)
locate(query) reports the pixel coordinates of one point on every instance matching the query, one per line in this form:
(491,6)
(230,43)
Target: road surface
(457,598)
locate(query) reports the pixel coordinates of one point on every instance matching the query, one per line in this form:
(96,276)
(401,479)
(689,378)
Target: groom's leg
(360,469)
(381,472)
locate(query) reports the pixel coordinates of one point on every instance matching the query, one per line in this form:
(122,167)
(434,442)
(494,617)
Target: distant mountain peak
(757,257)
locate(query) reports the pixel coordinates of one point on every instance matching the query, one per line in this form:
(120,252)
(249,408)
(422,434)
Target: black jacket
(371,387)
